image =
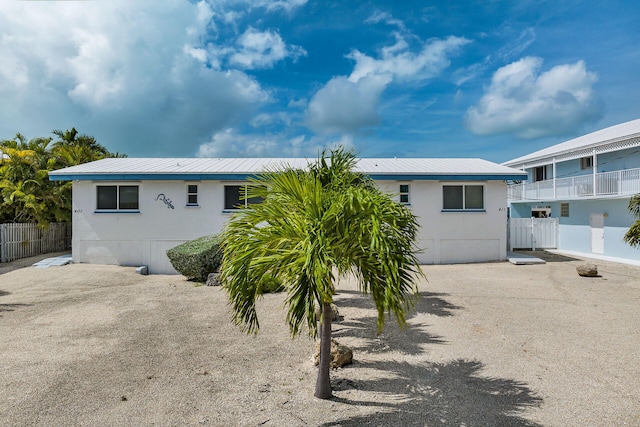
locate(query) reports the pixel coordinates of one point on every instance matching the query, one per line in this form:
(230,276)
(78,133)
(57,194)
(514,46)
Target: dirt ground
(487,345)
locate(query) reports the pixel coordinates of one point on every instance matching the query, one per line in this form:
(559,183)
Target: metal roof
(612,138)
(241,168)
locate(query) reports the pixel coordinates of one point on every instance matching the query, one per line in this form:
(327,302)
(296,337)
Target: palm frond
(310,224)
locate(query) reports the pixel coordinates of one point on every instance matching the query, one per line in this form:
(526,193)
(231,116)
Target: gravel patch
(487,344)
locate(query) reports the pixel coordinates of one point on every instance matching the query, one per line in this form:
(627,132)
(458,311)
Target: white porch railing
(616,183)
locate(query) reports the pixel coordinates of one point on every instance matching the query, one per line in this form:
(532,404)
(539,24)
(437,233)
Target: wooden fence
(25,240)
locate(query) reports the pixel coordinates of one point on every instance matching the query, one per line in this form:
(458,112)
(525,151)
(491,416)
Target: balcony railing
(616,183)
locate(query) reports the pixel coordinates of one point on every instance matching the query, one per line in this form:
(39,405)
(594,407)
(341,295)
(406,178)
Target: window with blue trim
(117,198)
(235,197)
(192,195)
(463,197)
(404,194)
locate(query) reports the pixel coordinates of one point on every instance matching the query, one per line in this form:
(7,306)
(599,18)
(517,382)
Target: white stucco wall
(458,237)
(142,238)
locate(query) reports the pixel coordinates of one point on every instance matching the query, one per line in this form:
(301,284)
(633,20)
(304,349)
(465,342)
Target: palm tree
(26,193)
(312,227)
(73,139)
(632,237)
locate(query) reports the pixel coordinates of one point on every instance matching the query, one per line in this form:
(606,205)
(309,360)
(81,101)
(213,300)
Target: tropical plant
(312,227)
(197,258)
(26,193)
(632,237)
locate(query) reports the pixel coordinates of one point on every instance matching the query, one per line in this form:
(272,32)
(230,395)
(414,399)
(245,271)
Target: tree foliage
(312,227)
(632,237)
(26,193)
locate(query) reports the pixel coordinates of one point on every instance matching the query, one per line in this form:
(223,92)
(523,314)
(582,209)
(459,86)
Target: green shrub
(197,258)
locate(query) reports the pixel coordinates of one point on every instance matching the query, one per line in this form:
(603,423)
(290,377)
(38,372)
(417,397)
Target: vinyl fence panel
(533,233)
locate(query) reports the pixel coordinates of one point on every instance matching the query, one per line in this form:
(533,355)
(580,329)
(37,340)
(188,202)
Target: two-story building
(130,211)
(585,183)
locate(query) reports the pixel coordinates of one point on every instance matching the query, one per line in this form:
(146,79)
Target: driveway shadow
(548,256)
(11,307)
(3,293)
(409,340)
(443,394)
(427,302)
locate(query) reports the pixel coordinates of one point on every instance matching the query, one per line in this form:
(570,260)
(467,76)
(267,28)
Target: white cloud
(348,104)
(128,73)
(267,119)
(530,104)
(286,5)
(511,49)
(402,64)
(231,143)
(387,18)
(261,49)
(234,9)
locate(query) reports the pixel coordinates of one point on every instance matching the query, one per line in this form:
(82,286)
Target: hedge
(197,258)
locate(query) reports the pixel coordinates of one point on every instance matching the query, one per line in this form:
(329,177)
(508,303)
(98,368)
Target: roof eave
(243,176)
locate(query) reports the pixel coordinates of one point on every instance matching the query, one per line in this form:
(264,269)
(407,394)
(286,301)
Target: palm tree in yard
(312,227)
(632,236)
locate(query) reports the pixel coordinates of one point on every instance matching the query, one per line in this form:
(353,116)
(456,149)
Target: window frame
(246,202)
(539,173)
(464,197)
(191,193)
(119,196)
(406,195)
(586,162)
(564,209)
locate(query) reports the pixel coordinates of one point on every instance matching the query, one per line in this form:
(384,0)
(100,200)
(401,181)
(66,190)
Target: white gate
(533,233)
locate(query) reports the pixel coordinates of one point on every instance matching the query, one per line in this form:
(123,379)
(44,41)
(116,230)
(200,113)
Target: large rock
(587,270)
(212,279)
(340,355)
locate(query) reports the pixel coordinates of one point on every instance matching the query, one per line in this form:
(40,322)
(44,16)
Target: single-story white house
(130,211)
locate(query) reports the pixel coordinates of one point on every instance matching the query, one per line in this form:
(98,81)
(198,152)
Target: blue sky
(223,78)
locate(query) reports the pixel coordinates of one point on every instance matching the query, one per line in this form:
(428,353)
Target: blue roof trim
(150,177)
(244,176)
(449,177)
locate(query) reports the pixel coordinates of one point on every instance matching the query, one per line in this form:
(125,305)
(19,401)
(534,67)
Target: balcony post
(554,179)
(619,185)
(595,172)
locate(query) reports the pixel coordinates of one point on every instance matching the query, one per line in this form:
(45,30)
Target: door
(597,233)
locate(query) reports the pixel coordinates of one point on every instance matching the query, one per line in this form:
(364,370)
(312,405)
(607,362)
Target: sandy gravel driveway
(488,344)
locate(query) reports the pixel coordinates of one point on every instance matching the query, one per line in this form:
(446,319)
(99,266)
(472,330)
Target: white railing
(25,240)
(616,183)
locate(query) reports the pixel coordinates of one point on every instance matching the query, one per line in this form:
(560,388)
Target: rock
(340,355)
(335,314)
(212,279)
(587,270)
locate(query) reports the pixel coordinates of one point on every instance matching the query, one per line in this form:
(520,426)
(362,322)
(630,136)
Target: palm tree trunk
(323,383)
